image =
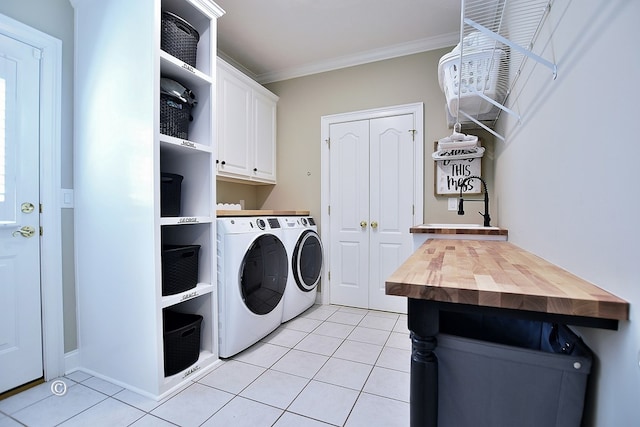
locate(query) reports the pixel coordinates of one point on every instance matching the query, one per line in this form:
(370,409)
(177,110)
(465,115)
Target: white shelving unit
(119,155)
(505,31)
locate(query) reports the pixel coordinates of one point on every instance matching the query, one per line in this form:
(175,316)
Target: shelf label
(189,144)
(189,295)
(188,67)
(191,371)
(187,220)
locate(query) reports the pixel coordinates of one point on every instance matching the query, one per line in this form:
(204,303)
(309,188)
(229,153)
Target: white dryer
(305,264)
(252,278)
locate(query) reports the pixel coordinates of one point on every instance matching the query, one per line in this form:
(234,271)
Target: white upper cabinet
(264,128)
(246,128)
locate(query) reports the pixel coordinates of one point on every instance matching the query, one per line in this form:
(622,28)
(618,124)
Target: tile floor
(331,366)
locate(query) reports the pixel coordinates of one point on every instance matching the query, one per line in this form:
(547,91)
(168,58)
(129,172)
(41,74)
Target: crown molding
(229,60)
(395,51)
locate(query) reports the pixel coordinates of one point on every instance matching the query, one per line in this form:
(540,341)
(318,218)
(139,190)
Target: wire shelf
(505,32)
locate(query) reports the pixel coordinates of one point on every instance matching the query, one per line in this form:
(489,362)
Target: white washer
(252,277)
(305,264)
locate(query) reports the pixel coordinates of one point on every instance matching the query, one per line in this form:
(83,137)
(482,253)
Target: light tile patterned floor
(331,366)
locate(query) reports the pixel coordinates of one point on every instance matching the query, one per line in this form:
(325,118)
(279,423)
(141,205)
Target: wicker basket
(179,268)
(170,194)
(181,333)
(179,38)
(175,116)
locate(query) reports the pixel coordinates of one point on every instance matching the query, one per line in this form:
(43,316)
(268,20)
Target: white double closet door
(372,187)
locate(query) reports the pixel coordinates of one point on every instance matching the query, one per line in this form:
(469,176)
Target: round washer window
(263,274)
(307,261)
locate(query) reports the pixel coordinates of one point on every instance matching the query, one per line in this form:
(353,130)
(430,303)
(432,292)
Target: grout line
(289,347)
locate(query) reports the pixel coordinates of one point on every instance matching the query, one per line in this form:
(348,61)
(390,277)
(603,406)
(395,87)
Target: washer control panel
(308,222)
(269,223)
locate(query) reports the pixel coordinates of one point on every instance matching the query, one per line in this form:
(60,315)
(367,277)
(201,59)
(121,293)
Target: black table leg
(423,319)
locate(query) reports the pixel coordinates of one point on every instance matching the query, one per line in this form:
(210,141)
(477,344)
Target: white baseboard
(71,361)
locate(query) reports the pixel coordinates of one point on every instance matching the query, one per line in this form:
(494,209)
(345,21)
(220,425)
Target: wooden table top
(499,274)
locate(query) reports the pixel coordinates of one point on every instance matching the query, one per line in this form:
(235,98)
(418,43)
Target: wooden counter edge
(462,230)
(613,310)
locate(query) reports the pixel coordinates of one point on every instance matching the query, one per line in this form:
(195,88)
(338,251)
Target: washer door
(263,274)
(307,261)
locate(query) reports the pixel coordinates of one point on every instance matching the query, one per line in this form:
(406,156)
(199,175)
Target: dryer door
(307,261)
(263,274)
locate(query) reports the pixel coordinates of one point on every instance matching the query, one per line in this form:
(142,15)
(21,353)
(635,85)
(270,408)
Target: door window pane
(263,274)
(308,262)
(3,156)
(8,142)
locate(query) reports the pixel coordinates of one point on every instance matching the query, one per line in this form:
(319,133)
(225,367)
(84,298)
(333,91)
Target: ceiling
(281,39)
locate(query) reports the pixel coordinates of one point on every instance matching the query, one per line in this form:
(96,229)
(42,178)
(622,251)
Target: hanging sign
(449,174)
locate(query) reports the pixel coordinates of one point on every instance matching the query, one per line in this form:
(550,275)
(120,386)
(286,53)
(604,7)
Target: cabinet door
(264,125)
(234,129)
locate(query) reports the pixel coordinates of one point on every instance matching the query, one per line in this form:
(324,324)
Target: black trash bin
(503,372)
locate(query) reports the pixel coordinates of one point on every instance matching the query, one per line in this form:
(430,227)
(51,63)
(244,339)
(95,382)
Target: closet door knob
(255,169)
(223,163)
(363,224)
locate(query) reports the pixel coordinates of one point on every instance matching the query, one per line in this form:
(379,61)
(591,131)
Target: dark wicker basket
(175,116)
(181,334)
(179,268)
(179,38)
(170,194)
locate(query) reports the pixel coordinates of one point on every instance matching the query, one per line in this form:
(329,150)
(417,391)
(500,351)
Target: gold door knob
(26,231)
(363,224)
(27,207)
(374,224)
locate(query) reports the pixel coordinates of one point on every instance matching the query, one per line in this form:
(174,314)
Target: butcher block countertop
(458,229)
(221,213)
(499,274)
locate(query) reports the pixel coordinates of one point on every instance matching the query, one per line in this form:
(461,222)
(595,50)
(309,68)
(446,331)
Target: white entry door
(21,358)
(372,177)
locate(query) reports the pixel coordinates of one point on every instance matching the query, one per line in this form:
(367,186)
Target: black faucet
(463,185)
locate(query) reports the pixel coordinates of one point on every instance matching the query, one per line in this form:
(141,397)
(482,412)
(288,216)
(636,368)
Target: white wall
(566,185)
